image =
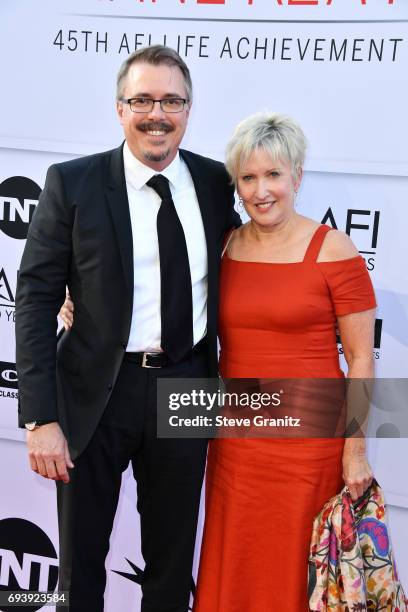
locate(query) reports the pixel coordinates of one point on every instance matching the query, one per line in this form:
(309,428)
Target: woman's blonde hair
(277,134)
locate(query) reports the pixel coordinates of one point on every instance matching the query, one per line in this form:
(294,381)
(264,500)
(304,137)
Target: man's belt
(160,359)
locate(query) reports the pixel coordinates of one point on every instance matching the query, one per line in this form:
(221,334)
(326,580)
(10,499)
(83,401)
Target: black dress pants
(169,474)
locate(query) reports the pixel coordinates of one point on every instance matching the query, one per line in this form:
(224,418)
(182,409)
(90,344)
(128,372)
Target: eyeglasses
(146,105)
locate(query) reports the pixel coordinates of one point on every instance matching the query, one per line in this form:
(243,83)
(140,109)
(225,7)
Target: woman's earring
(240,205)
(295,197)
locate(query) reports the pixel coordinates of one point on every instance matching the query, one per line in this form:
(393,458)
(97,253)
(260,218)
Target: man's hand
(48,452)
(67,312)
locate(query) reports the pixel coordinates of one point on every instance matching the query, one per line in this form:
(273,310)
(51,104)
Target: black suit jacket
(80,236)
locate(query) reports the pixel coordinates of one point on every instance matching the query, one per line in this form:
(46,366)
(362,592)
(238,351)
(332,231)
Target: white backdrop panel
(60,96)
(60,102)
(33,499)
(376,203)
(30,166)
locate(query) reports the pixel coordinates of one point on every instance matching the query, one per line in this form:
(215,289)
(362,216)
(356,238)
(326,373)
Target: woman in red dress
(287,282)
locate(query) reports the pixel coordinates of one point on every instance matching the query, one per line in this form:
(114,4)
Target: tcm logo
(8,375)
(362,226)
(28,560)
(18,199)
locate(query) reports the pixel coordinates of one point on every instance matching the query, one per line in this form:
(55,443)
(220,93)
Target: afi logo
(362,226)
(6,293)
(377,334)
(18,199)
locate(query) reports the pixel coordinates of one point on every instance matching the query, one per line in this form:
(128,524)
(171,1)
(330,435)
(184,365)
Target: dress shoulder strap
(227,241)
(313,250)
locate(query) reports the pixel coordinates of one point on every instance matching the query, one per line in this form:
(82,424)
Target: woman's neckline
(310,251)
(289,263)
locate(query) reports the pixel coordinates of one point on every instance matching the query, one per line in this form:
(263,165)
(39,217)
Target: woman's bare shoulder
(337,246)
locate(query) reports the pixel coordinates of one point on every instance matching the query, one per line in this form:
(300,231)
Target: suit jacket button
(124,344)
(110,387)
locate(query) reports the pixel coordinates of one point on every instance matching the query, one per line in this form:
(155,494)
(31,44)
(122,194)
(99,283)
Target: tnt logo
(28,560)
(18,199)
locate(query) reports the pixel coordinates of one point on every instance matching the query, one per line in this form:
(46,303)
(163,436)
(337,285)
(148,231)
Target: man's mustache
(148,126)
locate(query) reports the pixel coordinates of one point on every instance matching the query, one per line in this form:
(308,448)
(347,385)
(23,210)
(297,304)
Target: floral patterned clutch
(351,565)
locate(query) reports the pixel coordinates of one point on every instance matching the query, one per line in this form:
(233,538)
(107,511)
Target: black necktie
(176,293)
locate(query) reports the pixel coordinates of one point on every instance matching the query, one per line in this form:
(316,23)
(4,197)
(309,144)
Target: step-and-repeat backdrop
(338,66)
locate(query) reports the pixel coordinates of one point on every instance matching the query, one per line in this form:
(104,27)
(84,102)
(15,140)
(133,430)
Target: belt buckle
(144,362)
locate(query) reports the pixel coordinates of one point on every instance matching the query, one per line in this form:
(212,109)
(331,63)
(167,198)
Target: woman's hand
(357,473)
(67,312)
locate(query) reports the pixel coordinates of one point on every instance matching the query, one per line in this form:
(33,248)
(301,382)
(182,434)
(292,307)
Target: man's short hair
(156,55)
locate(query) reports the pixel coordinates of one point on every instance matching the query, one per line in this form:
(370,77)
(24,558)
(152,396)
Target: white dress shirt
(144,204)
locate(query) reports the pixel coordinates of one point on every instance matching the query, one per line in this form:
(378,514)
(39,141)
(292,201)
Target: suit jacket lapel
(204,200)
(119,208)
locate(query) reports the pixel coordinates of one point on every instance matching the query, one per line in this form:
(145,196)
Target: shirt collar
(138,173)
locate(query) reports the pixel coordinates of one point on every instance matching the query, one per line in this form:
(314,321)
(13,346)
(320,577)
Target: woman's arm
(66,312)
(357,337)
(357,334)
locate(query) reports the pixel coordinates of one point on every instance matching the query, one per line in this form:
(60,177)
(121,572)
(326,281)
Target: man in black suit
(135,233)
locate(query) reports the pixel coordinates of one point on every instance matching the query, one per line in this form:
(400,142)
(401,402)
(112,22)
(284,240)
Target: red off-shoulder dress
(275,320)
